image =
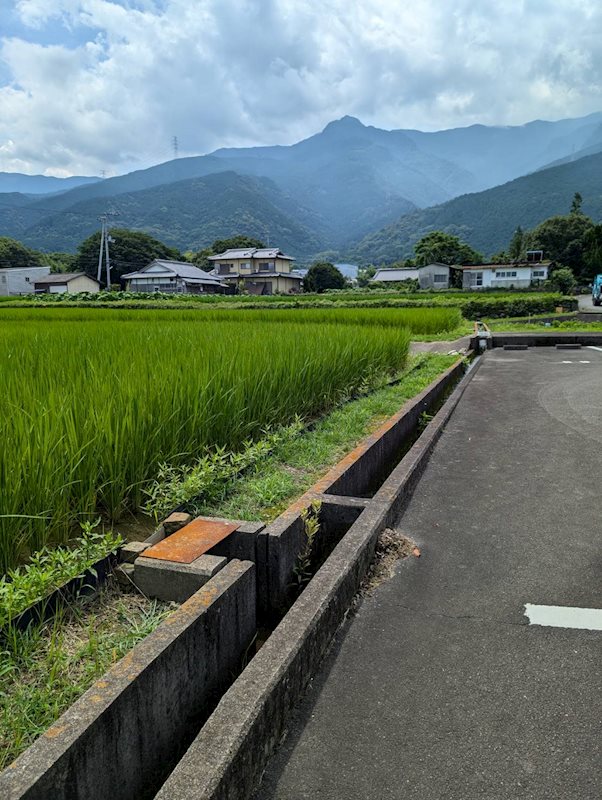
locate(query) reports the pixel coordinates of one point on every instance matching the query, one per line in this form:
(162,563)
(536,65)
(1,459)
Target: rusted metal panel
(191,541)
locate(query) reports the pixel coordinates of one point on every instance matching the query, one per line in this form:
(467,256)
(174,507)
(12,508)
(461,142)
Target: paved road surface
(438,688)
(586,304)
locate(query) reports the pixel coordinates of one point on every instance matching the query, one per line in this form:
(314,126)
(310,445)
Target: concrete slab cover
(191,541)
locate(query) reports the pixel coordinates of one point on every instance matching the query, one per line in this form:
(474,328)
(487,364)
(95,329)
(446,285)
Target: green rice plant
(92,403)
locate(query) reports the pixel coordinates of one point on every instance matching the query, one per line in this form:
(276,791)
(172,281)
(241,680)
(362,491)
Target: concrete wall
(428,273)
(74,286)
(121,739)
(21,280)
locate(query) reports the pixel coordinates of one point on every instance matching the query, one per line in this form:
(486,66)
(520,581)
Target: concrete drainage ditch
(177,715)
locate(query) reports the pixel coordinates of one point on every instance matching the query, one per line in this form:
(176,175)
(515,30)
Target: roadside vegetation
(44,669)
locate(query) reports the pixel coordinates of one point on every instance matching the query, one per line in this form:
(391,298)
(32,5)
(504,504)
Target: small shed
(66,282)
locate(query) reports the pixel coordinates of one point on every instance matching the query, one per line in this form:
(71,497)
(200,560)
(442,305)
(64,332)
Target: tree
(323,275)
(516,244)
(576,204)
(129,251)
(592,255)
(563,239)
(364,274)
(563,280)
(438,246)
(15,254)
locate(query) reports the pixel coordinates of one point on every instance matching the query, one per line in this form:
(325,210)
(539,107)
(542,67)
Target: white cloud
(230,72)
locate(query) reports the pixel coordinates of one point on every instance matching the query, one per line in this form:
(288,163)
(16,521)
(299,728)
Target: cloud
(98,85)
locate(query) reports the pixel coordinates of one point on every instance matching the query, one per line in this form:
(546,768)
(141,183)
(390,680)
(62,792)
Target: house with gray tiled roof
(257,270)
(173,277)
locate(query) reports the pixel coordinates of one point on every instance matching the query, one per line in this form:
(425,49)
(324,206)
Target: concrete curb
(227,758)
(535,339)
(124,735)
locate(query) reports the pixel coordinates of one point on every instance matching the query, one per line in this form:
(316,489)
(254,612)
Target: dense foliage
(444,248)
(323,276)
(129,251)
(487,220)
(15,254)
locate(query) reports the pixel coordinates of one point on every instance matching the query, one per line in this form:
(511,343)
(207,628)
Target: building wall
(276,283)
(427,276)
(241,266)
(82,284)
(498,278)
(21,281)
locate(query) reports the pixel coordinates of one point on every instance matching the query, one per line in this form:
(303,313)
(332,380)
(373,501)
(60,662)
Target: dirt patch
(391,547)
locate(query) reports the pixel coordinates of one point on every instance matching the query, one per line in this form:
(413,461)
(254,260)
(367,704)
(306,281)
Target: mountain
(40,184)
(487,220)
(190,215)
(342,183)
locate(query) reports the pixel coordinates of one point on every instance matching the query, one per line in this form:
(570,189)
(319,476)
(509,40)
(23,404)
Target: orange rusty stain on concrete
(191,541)
(101,684)
(55,731)
(95,698)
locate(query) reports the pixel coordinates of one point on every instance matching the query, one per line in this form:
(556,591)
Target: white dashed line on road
(589,619)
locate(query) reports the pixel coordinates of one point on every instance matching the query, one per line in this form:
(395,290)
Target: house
(71,282)
(518,275)
(174,277)
(265,270)
(429,276)
(20,280)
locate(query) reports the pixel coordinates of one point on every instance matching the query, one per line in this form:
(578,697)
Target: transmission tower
(174,144)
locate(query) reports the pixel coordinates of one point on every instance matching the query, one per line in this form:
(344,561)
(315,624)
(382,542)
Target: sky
(93,85)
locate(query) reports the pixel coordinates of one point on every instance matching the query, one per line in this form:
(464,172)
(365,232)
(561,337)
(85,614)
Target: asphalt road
(438,687)
(586,304)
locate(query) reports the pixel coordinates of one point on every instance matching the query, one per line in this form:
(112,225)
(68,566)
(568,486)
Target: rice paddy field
(93,401)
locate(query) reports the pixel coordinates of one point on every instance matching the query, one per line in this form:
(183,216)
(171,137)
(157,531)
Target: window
(267,266)
(439,278)
(475,278)
(539,273)
(26,280)
(225,269)
(506,274)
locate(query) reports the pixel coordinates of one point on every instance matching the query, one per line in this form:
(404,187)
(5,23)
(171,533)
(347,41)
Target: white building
(66,282)
(21,280)
(504,276)
(429,276)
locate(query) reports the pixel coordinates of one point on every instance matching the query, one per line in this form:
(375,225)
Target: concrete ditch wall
(227,758)
(365,467)
(124,735)
(548,339)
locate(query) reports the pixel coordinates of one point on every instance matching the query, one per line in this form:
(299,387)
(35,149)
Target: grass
(92,402)
(292,468)
(506,325)
(44,670)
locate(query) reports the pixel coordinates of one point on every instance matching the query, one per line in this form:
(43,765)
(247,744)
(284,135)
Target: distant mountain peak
(346,123)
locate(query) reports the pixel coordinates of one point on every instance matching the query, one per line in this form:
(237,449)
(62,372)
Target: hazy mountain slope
(495,155)
(189,215)
(486,220)
(40,184)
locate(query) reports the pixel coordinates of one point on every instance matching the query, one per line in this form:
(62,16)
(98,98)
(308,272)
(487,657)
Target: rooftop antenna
(103,173)
(174,144)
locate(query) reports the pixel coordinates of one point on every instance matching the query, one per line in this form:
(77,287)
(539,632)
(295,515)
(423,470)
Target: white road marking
(593,347)
(566,362)
(585,362)
(589,619)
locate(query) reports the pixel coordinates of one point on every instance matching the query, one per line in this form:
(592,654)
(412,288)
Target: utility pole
(103,221)
(105,240)
(174,144)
